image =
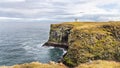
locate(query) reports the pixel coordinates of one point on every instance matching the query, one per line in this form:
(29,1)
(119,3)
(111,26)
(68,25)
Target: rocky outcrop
(59,35)
(86,41)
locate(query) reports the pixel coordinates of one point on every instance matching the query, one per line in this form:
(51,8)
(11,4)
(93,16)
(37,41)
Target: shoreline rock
(61,45)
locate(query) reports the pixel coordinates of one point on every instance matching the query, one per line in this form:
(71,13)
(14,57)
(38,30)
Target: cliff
(59,35)
(86,41)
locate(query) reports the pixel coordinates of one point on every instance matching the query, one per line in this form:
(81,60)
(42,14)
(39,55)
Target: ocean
(22,43)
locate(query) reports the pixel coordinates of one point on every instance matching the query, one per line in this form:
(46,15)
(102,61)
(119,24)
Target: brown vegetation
(93,64)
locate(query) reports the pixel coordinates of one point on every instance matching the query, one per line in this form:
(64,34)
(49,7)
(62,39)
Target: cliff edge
(86,41)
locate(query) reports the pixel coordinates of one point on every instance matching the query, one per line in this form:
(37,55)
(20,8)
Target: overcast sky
(59,10)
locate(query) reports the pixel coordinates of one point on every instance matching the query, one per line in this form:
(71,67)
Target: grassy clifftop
(37,65)
(94,64)
(87,41)
(100,64)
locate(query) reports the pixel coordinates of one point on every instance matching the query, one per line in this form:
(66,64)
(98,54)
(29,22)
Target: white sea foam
(64,51)
(50,47)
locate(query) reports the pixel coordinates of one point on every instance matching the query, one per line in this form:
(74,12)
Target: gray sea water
(22,43)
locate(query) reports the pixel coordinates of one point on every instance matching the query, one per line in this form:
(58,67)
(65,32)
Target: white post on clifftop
(76,20)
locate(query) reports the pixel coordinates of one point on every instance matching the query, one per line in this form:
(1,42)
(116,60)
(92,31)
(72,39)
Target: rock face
(86,41)
(59,35)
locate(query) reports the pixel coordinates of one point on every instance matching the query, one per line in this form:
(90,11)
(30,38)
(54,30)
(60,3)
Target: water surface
(22,43)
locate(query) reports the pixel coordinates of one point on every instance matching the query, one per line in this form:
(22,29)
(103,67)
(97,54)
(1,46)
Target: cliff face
(59,35)
(86,41)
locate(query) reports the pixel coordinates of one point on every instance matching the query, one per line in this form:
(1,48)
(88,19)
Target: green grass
(93,41)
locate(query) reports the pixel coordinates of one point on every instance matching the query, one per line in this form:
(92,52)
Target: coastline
(86,46)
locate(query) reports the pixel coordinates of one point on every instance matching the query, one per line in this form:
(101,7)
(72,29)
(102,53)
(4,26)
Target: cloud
(4,18)
(29,19)
(94,10)
(26,11)
(11,1)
